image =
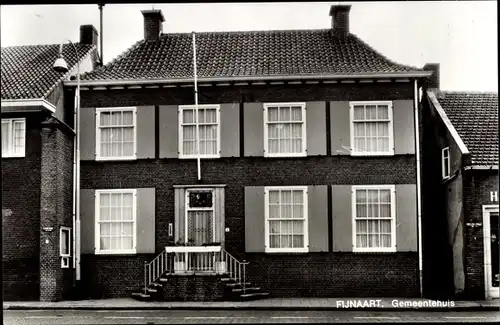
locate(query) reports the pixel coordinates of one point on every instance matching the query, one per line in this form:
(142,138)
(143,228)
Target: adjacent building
(37,168)
(460,172)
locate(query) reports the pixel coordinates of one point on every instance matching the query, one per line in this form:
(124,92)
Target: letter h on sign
(494,196)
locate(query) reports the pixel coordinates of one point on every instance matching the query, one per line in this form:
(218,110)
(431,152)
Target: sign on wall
(494,196)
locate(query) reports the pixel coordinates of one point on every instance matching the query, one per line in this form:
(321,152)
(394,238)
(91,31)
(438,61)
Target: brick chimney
(88,35)
(153,26)
(432,82)
(340,20)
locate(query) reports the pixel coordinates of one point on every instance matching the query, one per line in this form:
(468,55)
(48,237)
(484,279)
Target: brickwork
(55,209)
(193,288)
(477,187)
(20,218)
(276,93)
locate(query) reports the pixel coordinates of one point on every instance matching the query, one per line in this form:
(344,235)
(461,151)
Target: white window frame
(100,110)
(187,209)
(181,133)
(10,153)
(268,248)
(445,162)
(98,250)
(354,151)
(392,188)
(304,131)
(64,257)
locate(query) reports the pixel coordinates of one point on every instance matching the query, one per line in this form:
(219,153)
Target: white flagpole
(198,162)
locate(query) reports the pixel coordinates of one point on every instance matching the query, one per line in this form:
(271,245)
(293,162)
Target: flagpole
(198,162)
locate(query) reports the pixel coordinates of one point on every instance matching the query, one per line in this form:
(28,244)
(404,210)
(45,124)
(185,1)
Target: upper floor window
(445,162)
(199,130)
(116,133)
(374,218)
(13,137)
(284,129)
(116,221)
(286,219)
(371,128)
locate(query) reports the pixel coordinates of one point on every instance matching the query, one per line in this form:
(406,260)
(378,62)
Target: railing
(195,259)
(154,269)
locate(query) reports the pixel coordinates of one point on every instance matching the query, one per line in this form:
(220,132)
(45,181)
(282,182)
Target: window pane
(105,229)
(298,211)
(127,242)
(274,211)
(296,113)
(127,229)
(210,116)
(273,131)
(274,241)
(359,144)
(19,132)
(359,129)
(385,226)
(272,114)
(385,196)
(373,241)
(298,241)
(360,196)
(385,241)
(361,226)
(115,243)
(285,113)
(383,129)
(128,118)
(361,211)
(286,241)
(371,112)
(104,214)
(361,241)
(274,197)
(274,227)
(65,242)
(298,227)
(285,145)
(188,116)
(116,118)
(286,210)
(383,112)
(298,196)
(105,243)
(286,197)
(105,118)
(385,210)
(5,138)
(373,226)
(359,112)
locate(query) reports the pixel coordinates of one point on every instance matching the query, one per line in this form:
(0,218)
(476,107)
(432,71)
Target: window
(116,221)
(200,216)
(285,130)
(286,219)
(371,128)
(374,215)
(64,246)
(13,137)
(445,162)
(116,133)
(207,122)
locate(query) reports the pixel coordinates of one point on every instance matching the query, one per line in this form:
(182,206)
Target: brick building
(37,154)
(460,169)
(308,168)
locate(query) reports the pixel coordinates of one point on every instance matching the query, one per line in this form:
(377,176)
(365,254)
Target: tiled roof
(475,117)
(27,70)
(249,53)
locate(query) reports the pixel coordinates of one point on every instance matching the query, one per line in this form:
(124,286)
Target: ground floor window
(286,219)
(116,221)
(374,215)
(64,246)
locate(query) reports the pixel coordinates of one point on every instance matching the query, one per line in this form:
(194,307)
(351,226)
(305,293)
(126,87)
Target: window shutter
(219,215)
(180,214)
(317,218)
(169,131)
(342,218)
(254,219)
(406,217)
(340,128)
(403,127)
(87,221)
(253,119)
(88,148)
(230,130)
(145,214)
(316,128)
(145,130)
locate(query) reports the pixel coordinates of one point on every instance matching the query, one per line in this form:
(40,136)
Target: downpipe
(419,195)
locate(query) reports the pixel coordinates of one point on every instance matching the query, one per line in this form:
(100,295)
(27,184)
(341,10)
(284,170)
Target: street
(37,317)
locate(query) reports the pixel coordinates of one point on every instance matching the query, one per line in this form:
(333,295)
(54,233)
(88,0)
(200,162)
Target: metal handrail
(234,268)
(154,269)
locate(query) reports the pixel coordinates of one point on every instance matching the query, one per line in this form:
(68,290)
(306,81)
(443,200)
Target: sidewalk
(380,304)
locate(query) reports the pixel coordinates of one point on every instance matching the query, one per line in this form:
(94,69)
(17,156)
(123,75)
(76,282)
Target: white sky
(461,36)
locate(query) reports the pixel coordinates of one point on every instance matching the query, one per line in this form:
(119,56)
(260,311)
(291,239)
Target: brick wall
(20,218)
(477,187)
(55,209)
(236,173)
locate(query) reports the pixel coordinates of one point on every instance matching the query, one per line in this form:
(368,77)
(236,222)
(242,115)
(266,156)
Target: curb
(289,308)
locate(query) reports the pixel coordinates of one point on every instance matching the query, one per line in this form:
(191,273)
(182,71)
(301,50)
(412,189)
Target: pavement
(366,304)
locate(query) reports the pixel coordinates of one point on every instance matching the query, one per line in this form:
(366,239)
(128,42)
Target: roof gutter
(481,167)
(447,122)
(11,103)
(416,74)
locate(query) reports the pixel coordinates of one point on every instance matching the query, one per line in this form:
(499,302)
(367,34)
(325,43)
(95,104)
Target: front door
(200,217)
(491,251)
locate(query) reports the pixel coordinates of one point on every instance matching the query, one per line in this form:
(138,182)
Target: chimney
(432,82)
(340,20)
(88,35)
(153,26)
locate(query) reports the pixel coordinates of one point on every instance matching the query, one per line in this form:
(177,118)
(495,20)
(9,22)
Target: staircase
(232,278)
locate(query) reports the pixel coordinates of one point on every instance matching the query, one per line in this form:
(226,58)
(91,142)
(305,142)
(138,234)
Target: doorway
(491,250)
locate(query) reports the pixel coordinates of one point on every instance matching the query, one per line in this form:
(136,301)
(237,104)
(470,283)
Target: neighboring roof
(248,54)
(27,70)
(475,117)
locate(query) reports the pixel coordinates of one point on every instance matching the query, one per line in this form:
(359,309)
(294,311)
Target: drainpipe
(419,197)
(101,32)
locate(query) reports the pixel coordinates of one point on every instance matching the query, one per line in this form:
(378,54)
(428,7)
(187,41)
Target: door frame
(490,292)
(187,209)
